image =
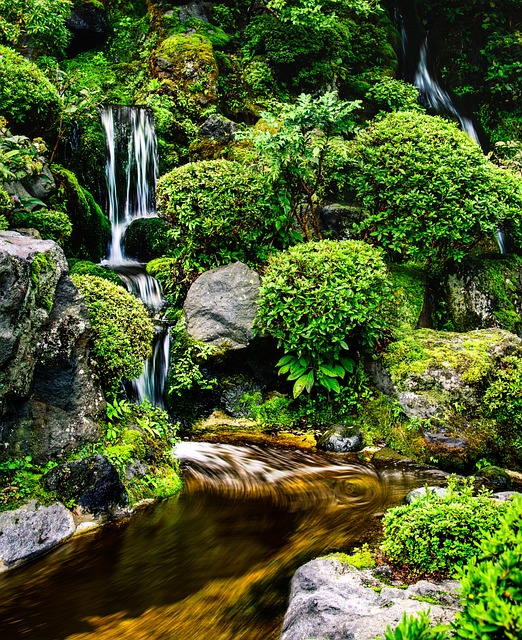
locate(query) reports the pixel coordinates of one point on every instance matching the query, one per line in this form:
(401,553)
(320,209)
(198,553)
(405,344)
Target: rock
(92,483)
(42,185)
(50,401)
(496,477)
(221,306)
(219,128)
(340,439)
(486,292)
(31,531)
(89,27)
(337,220)
(232,397)
(334,601)
(416,494)
(193,10)
(504,496)
(440,378)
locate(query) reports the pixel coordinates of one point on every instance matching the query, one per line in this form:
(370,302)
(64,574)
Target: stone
(219,128)
(335,601)
(92,483)
(192,10)
(42,185)
(50,400)
(221,306)
(416,494)
(340,439)
(89,28)
(504,496)
(32,530)
(337,220)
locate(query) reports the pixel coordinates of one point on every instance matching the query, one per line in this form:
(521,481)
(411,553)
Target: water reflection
(215,562)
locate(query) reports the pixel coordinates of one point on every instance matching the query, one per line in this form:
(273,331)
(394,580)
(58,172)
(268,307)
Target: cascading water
(131,173)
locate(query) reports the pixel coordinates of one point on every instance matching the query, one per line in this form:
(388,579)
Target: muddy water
(214,563)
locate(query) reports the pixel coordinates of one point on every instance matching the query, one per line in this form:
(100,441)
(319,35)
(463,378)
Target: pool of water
(213,563)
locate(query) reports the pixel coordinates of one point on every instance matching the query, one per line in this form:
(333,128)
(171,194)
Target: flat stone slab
(31,531)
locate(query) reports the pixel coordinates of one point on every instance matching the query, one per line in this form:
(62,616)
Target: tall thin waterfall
(131,172)
(437,98)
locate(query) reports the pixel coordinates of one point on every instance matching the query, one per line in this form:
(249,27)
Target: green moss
(360,558)
(408,290)
(42,268)
(183,46)
(469,355)
(20,481)
(87,268)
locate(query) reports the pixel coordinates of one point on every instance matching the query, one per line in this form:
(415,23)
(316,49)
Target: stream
(214,562)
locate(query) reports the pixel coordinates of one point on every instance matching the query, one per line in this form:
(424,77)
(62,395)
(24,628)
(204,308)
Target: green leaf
(310,379)
(285,360)
(299,386)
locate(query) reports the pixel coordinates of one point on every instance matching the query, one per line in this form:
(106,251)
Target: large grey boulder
(32,530)
(50,401)
(221,306)
(334,601)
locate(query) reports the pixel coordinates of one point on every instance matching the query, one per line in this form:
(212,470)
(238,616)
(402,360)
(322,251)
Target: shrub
(437,535)
(427,190)
(28,100)
(52,225)
(323,301)
(122,330)
(416,627)
(491,583)
(219,212)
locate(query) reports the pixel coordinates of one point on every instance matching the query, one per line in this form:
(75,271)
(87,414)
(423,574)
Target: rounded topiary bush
(435,535)
(219,212)
(323,302)
(87,268)
(122,330)
(52,225)
(427,190)
(29,102)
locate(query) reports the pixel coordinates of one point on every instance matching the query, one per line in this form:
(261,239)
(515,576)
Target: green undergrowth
(138,441)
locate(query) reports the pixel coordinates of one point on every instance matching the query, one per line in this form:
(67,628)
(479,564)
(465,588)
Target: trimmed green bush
(219,212)
(52,225)
(491,583)
(427,191)
(87,268)
(436,535)
(122,330)
(323,302)
(28,100)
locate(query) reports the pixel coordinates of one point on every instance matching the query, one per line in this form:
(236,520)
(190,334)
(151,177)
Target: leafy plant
(438,534)
(427,190)
(323,301)
(491,583)
(417,627)
(297,142)
(219,212)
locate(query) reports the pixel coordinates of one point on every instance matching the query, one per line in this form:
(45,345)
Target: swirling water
(215,562)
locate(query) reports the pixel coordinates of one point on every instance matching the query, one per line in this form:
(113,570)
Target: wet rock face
(221,306)
(92,482)
(89,28)
(30,531)
(49,399)
(329,599)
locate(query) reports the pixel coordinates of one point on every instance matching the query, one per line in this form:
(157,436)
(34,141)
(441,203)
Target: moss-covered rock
(187,60)
(486,292)
(440,381)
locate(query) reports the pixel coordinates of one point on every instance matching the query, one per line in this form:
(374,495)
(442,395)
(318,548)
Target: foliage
(219,212)
(435,535)
(296,143)
(390,94)
(51,224)
(322,301)
(360,557)
(416,627)
(20,157)
(91,229)
(427,190)
(29,102)
(20,480)
(122,330)
(35,25)
(491,583)
(87,268)
(503,397)
(147,239)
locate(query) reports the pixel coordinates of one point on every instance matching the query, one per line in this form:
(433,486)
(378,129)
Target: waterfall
(131,172)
